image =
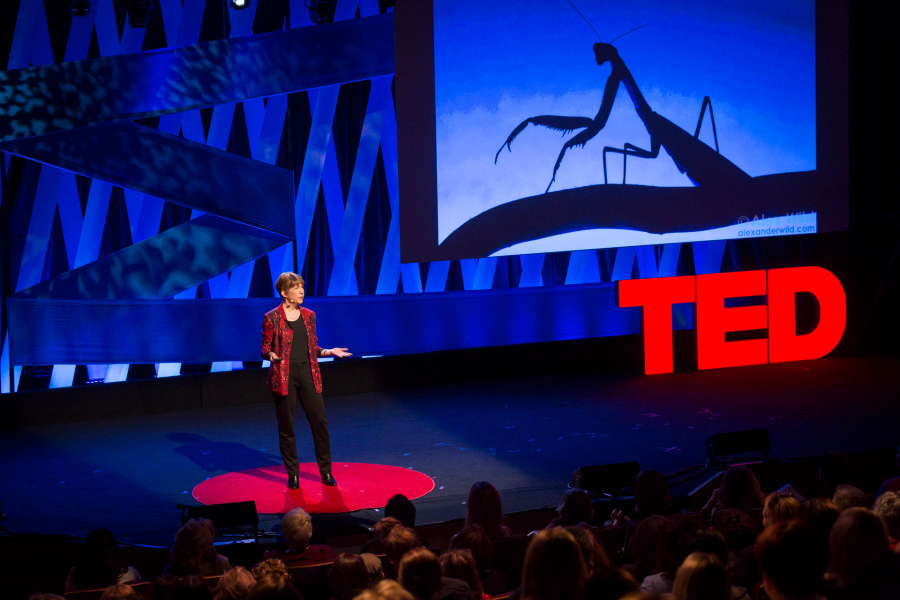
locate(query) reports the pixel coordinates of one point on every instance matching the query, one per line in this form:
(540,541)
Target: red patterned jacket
(277,337)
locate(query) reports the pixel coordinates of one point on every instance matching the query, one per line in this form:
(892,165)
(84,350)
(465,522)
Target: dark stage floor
(526,435)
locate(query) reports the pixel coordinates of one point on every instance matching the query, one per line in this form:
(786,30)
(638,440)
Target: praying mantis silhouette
(702,165)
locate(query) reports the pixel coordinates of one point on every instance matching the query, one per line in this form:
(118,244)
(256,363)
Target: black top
(300,345)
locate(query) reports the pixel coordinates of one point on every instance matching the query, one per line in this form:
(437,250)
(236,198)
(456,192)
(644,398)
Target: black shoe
(293,482)
(328,480)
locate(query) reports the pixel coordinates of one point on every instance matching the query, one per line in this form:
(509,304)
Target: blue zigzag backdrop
(156,181)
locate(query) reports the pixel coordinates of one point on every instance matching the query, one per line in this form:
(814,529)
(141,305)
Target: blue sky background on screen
(500,62)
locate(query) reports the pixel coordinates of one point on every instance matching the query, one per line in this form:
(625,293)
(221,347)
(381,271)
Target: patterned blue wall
(91,214)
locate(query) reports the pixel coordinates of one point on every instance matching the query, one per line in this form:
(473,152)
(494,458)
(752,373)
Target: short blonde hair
(286,281)
(387,589)
(235,584)
(296,527)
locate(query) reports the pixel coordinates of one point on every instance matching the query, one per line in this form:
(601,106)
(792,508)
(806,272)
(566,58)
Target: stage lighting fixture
(138,12)
(80,8)
(240,4)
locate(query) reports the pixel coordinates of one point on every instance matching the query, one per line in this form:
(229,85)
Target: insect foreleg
(563,124)
(579,140)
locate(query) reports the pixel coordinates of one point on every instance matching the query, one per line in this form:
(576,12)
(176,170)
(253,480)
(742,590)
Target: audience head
(383,527)
(274,586)
(887,506)
(574,508)
(739,528)
(859,541)
(485,508)
(791,558)
(349,576)
(191,587)
(708,541)
(374,568)
(399,541)
(740,489)
(269,566)
(115,592)
(651,492)
(644,549)
(101,562)
(554,567)
(235,584)
(459,564)
(610,583)
(193,548)
(401,508)
(387,589)
(779,507)
(834,469)
(849,496)
(702,577)
(820,513)
(296,528)
(586,544)
(475,539)
(420,573)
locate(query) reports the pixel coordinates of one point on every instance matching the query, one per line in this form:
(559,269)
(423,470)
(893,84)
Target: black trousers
(302,388)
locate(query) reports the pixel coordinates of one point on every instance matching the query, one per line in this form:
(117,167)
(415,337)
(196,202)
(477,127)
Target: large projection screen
(768,157)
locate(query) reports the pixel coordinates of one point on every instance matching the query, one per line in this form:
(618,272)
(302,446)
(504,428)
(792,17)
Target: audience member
(117,592)
(193,552)
(374,567)
(739,490)
(420,574)
(191,587)
(702,577)
(348,576)
(862,564)
(651,497)
(100,564)
(574,508)
(887,506)
(381,530)
(792,559)
(834,469)
(387,589)
(399,541)
(644,554)
(779,507)
(892,484)
(820,513)
(591,551)
(554,568)
(459,564)
(475,539)
(609,583)
(296,529)
(268,566)
(401,508)
(235,584)
(849,496)
(275,586)
(484,508)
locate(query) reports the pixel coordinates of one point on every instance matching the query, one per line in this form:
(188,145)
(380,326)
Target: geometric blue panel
(163,265)
(41,100)
(67,332)
(171,168)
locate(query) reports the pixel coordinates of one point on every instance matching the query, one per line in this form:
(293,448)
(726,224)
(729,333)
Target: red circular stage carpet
(359,486)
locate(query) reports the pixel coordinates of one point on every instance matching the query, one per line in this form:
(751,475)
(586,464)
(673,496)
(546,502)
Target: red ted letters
(712,319)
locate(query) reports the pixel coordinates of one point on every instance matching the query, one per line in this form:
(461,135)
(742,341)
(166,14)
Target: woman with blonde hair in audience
(387,589)
(275,586)
(193,552)
(779,507)
(235,584)
(702,576)
(485,508)
(554,568)
(459,564)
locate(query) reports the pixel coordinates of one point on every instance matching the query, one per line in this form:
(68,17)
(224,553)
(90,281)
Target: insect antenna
(627,32)
(586,21)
